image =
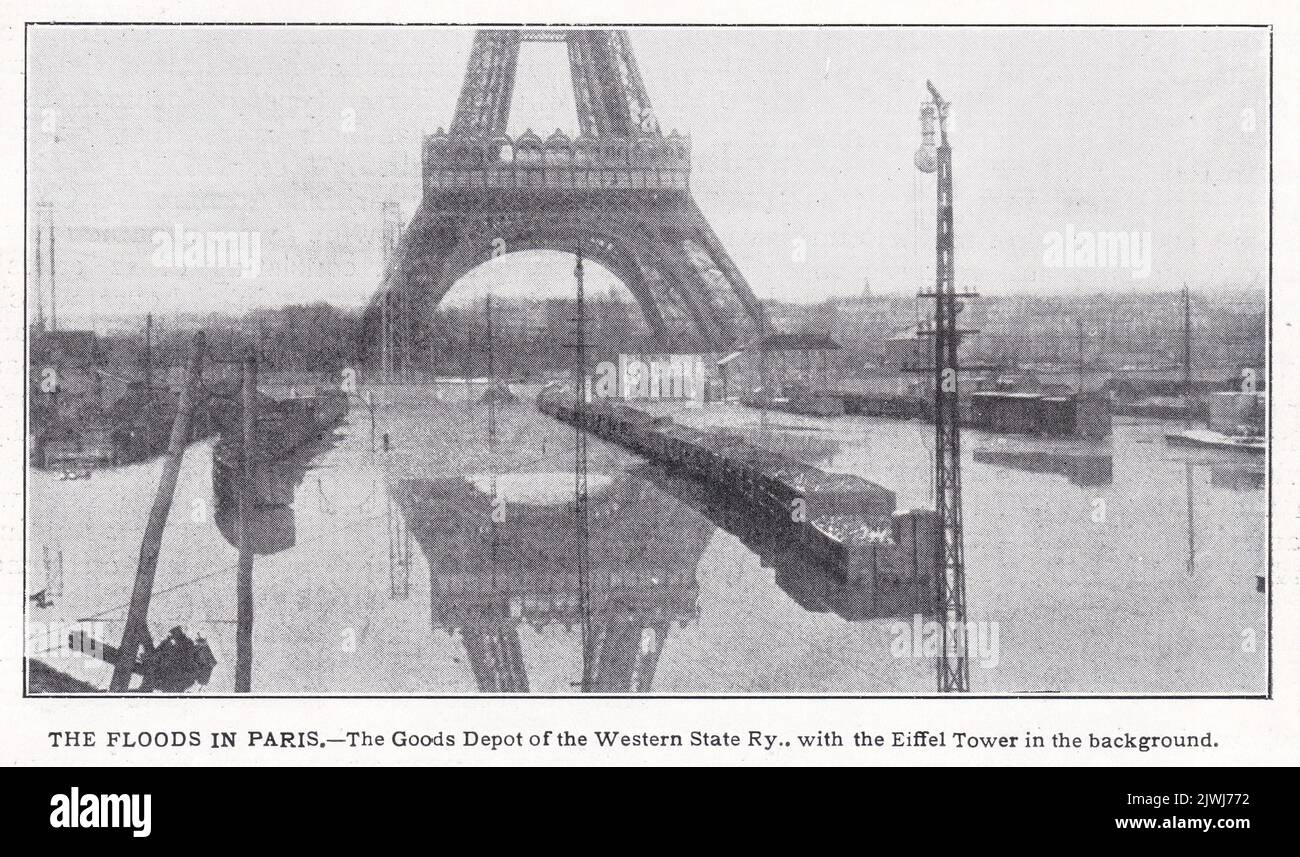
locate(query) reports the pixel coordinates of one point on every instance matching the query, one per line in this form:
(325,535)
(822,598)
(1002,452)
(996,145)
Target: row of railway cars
(846,522)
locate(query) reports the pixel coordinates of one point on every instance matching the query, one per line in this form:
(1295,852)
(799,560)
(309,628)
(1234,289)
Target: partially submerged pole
(1078,389)
(247,500)
(136,631)
(54,289)
(469,349)
(148,354)
(369,399)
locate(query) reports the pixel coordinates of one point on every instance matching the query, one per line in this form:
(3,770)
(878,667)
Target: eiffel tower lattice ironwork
(619,191)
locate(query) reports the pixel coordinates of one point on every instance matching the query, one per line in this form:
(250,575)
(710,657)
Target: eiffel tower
(619,191)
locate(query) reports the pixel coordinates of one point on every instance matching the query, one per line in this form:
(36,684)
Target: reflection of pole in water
(53,572)
(399,551)
(1191,523)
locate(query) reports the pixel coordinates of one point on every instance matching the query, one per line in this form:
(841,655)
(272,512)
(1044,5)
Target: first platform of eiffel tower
(618,191)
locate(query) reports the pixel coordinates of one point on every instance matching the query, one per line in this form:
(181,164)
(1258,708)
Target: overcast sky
(799,135)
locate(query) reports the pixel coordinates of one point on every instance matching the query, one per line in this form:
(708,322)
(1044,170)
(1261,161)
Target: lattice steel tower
(580,497)
(951,667)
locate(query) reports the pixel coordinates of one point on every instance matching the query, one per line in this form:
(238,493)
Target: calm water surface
(1127,567)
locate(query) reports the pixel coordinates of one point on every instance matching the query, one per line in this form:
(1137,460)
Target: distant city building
(67,348)
(780,362)
(912,350)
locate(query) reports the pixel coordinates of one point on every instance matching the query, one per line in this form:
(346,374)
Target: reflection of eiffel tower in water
(643,561)
(399,552)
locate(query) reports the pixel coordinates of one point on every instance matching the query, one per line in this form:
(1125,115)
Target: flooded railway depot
(1121,568)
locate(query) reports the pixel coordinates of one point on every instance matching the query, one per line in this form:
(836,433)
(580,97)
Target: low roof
(795,342)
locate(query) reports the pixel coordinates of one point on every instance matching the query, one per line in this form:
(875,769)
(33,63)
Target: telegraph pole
(40,284)
(580,477)
(54,299)
(148,353)
(762,366)
(951,666)
(1078,322)
(492,436)
(492,408)
(247,503)
(136,631)
(1187,344)
(1187,423)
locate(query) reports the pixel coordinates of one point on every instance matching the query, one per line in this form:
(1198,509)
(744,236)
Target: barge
(1209,439)
(283,426)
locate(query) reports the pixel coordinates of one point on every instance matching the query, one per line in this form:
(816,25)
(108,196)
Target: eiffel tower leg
(685,285)
(621,193)
(699,226)
(718,330)
(484,103)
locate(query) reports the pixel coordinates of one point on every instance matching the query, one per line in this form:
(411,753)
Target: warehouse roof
(796,342)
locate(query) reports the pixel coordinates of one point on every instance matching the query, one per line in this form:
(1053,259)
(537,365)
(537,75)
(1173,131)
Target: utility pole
(148,353)
(1079,345)
(492,440)
(370,406)
(492,400)
(762,366)
(54,300)
(40,285)
(1187,341)
(136,631)
(1189,470)
(952,668)
(466,360)
(247,501)
(580,476)
(384,350)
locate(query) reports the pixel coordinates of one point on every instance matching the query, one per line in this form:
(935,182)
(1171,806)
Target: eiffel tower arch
(619,191)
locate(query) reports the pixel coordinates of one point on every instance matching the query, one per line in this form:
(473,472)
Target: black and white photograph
(574,360)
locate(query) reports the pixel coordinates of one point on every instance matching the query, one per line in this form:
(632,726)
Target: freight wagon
(846,522)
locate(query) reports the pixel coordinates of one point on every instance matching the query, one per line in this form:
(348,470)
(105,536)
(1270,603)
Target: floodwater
(1121,568)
